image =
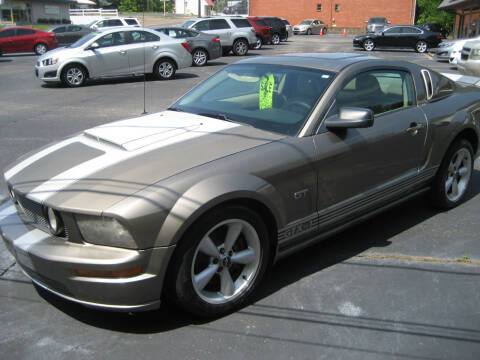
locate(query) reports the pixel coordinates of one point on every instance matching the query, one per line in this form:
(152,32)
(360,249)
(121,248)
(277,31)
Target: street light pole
(199,8)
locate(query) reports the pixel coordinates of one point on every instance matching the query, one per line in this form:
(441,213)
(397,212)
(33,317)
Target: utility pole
(199,8)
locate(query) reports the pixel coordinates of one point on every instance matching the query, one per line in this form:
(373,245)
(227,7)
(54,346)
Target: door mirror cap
(93,46)
(350,117)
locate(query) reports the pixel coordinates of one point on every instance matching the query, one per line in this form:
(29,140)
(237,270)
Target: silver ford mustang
(269,155)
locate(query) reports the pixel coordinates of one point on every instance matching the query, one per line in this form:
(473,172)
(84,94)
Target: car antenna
(144,66)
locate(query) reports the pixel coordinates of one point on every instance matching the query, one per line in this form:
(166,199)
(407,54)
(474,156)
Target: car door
(25,40)
(221,28)
(410,36)
(61,35)
(111,57)
(7,40)
(316,27)
(141,49)
(389,37)
(358,168)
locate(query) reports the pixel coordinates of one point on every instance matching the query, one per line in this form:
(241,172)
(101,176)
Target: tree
(427,12)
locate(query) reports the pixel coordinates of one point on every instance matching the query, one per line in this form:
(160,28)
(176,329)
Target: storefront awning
(459,5)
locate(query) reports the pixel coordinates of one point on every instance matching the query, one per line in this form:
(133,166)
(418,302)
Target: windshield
(275,98)
(306,22)
(84,40)
(377,21)
(187,23)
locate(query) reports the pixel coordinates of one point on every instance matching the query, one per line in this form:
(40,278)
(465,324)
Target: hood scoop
(161,128)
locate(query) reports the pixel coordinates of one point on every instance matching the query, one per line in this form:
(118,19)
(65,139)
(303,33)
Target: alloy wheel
(275,39)
(226,261)
(369,45)
(258,44)
(421,46)
(165,70)
(199,57)
(458,177)
(74,76)
(40,49)
(240,48)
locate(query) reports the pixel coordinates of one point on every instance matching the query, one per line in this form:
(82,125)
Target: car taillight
(439,36)
(185,45)
(216,39)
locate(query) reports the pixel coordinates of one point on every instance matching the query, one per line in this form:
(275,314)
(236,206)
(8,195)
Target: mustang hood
(92,171)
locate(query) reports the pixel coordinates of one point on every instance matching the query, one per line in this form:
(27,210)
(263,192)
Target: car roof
(333,62)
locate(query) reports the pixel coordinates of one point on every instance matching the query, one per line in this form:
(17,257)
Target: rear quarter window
(241,23)
(131,21)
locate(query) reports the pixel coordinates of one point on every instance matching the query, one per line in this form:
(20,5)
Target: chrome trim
(428,90)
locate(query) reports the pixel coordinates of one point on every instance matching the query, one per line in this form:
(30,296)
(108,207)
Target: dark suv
(261,29)
(278,30)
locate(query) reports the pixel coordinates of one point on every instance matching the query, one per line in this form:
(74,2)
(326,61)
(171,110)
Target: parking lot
(402,285)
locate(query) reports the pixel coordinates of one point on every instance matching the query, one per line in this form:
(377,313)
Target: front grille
(50,74)
(34,213)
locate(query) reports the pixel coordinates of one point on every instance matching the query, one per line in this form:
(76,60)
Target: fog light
(54,222)
(110,273)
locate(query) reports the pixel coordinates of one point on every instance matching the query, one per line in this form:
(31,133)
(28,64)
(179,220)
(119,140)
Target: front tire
(452,181)
(369,45)
(74,75)
(421,47)
(258,44)
(200,57)
(164,69)
(220,262)
(309,32)
(40,48)
(240,47)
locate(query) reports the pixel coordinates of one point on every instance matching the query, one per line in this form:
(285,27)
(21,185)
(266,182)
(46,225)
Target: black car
(278,29)
(435,28)
(403,36)
(68,34)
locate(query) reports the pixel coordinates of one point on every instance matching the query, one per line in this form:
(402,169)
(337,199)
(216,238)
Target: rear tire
(220,262)
(200,57)
(275,39)
(240,47)
(164,69)
(40,48)
(452,182)
(421,47)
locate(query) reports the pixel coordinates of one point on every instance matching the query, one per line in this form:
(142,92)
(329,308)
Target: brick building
(341,13)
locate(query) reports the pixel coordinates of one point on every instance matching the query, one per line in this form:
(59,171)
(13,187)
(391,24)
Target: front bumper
(442,55)
(300,31)
(48,73)
(357,43)
(52,263)
(469,67)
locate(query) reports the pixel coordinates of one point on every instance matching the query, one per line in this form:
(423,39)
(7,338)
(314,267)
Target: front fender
(207,194)
(74,61)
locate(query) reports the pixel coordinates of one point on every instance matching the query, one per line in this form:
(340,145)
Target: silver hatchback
(114,52)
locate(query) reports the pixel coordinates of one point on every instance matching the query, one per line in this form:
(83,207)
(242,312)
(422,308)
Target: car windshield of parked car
(84,40)
(377,21)
(187,23)
(306,22)
(275,98)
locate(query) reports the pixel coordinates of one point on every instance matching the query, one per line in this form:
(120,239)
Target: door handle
(123,52)
(155,47)
(414,127)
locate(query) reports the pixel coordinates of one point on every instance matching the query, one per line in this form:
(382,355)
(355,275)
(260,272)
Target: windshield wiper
(174,109)
(216,116)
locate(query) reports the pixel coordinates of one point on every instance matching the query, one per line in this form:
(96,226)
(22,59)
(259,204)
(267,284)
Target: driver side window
(380,90)
(112,39)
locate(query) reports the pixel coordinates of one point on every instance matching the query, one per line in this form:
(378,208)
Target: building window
(337,7)
(319,7)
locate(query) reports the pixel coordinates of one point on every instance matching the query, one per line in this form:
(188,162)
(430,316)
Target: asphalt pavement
(403,285)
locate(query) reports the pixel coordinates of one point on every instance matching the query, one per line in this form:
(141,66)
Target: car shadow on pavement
(374,233)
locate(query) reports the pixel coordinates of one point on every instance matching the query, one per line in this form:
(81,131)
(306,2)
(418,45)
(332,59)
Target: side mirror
(93,46)
(350,117)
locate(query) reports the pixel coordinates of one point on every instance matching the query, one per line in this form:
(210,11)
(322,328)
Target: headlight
(103,230)
(475,54)
(49,61)
(55,222)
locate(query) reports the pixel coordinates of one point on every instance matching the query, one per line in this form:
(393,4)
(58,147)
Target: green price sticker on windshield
(266,92)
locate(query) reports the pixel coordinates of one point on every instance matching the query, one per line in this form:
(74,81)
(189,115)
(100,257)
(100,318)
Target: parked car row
(22,39)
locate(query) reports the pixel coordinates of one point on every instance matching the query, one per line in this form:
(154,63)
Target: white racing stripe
(131,135)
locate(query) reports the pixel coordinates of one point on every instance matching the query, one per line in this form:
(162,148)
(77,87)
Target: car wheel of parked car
(240,47)
(40,49)
(309,32)
(421,46)
(324,31)
(284,38)
(74,75)
(275,39)
(164,69)
(220,261)
(258,44)
(369,45)
(453,177)
(200,57)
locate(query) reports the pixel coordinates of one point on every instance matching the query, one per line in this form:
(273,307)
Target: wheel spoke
(459,159)
(463,171)
(208,247)
(227,287)
(233,232)
(244,257)
(448,184)
(455,187)
(202,279)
